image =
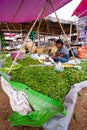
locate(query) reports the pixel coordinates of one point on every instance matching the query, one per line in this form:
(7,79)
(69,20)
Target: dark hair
(59,41)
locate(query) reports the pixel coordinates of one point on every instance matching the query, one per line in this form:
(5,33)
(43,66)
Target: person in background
(80,41)
(32,36)
(62,53)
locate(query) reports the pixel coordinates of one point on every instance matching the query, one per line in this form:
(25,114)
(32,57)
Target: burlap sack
(30,46)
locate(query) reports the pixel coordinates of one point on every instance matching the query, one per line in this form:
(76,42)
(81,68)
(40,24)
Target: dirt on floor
(5,111)
(79,119)
(78,122)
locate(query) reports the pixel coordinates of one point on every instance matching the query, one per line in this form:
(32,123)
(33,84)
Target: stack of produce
(44,79)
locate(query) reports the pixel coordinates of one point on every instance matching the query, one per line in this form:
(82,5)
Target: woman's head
(59,43)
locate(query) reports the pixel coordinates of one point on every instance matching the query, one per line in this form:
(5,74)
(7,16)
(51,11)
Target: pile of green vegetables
(48,82)
(7,62)
(44,79)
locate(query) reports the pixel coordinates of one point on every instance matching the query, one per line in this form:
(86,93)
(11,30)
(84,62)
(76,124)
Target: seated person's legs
(75,53)
(61,59)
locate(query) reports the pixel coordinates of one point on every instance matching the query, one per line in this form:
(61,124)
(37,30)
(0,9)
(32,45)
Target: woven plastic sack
(82,52)
(43,107)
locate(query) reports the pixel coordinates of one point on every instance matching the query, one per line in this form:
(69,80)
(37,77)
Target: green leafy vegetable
(43,79)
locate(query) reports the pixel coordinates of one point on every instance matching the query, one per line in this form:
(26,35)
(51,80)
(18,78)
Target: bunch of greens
(27,61)
(48,82)
(3,55)
(24,62)
(44,79)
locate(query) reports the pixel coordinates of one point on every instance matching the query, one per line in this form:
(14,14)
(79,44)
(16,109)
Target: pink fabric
(9,34)
(19,11)
(81,10)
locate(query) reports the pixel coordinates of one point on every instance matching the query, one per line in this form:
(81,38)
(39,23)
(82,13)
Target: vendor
(62,53)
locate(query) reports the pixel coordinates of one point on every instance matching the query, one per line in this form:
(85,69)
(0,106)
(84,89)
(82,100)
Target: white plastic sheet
(18,99)
(74,61)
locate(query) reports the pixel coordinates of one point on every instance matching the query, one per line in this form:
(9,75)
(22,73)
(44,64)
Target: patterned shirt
(63,50)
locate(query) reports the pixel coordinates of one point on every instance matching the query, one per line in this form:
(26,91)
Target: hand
(61,55)
(53,57)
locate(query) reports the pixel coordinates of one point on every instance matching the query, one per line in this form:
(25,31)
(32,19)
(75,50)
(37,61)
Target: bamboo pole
(70,31)
(24,43)
(61,26)
(38,32)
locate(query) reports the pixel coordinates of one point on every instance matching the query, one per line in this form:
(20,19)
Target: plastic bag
(34,56)
(82,52)
(78,67)
(43,107)
(18,99)
(59,67)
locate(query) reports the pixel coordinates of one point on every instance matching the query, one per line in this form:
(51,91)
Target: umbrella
(19,11)
(81,10)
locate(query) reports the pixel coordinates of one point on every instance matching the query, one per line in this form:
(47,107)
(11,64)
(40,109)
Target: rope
(24,43)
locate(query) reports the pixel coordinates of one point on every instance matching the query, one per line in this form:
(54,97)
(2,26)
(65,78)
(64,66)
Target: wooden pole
(61,27)
(24,43)
(38,32)
(70,31)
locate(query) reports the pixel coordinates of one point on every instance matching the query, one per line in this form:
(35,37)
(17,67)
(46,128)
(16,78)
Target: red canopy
(81,10)
(19,11)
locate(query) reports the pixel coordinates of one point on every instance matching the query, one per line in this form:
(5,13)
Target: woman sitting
(62,53)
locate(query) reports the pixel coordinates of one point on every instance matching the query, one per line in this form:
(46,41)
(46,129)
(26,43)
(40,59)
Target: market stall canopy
(20,11)
(81,10)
